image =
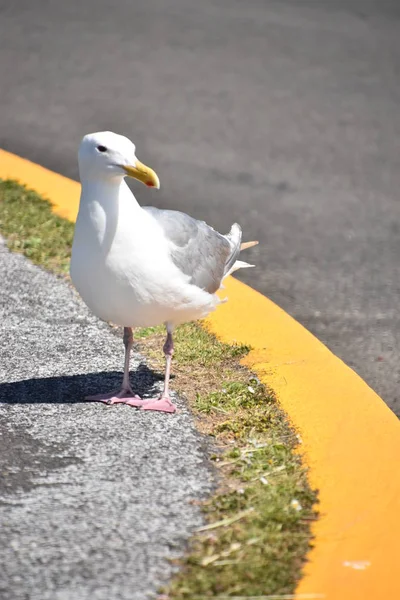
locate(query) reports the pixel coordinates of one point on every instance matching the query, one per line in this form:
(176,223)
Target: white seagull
(140,266)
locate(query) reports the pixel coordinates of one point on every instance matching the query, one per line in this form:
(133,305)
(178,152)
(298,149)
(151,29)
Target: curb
(349,438)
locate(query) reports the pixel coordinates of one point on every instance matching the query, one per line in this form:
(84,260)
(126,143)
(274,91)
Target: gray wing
(197,249)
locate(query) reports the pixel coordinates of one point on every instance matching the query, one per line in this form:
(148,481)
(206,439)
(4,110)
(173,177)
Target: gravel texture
(94,500)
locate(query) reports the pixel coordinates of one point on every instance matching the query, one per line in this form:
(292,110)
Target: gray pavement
(280,114)
(93,499)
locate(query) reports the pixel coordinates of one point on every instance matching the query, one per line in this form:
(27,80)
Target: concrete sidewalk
(93,499)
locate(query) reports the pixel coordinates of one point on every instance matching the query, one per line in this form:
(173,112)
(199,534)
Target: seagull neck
(107,211)
(102,185)
(110,193)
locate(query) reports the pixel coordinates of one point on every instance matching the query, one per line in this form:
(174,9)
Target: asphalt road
(93,499)
(282,115)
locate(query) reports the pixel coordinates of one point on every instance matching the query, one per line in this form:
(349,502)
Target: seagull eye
(101,148)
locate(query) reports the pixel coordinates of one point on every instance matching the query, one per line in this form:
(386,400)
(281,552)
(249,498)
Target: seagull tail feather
(246,245)
(239,264)
(234,238)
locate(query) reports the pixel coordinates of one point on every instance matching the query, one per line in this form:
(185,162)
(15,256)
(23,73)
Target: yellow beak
(143,174)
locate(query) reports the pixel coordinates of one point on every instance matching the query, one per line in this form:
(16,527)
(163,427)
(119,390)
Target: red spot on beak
(149,184)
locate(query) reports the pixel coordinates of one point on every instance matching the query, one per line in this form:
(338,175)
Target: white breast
(121,265)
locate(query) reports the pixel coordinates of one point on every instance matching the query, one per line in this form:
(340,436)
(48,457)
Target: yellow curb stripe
(61,191)
(350,439)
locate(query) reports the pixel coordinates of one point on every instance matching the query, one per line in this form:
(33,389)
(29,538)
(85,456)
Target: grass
(258,530)
(30,228)
(258,521)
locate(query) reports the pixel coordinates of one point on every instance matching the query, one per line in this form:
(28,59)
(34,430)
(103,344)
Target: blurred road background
(280,114)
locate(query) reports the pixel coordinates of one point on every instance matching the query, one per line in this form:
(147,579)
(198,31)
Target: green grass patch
(258,530)
(29,226)
(258,521)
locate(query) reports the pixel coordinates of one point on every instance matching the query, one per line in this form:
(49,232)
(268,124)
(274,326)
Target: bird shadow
(71,389)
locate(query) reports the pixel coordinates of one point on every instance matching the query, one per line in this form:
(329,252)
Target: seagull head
(109,155)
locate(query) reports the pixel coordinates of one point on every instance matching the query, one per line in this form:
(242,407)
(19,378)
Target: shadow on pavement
(71,389)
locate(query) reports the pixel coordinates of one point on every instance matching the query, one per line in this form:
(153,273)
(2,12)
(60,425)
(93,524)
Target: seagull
(139,266)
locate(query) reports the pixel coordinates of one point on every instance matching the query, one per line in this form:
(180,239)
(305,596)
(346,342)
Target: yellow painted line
(350,439)
(61,191)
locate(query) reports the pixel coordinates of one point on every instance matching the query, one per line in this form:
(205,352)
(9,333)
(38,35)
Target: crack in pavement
(94,500)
